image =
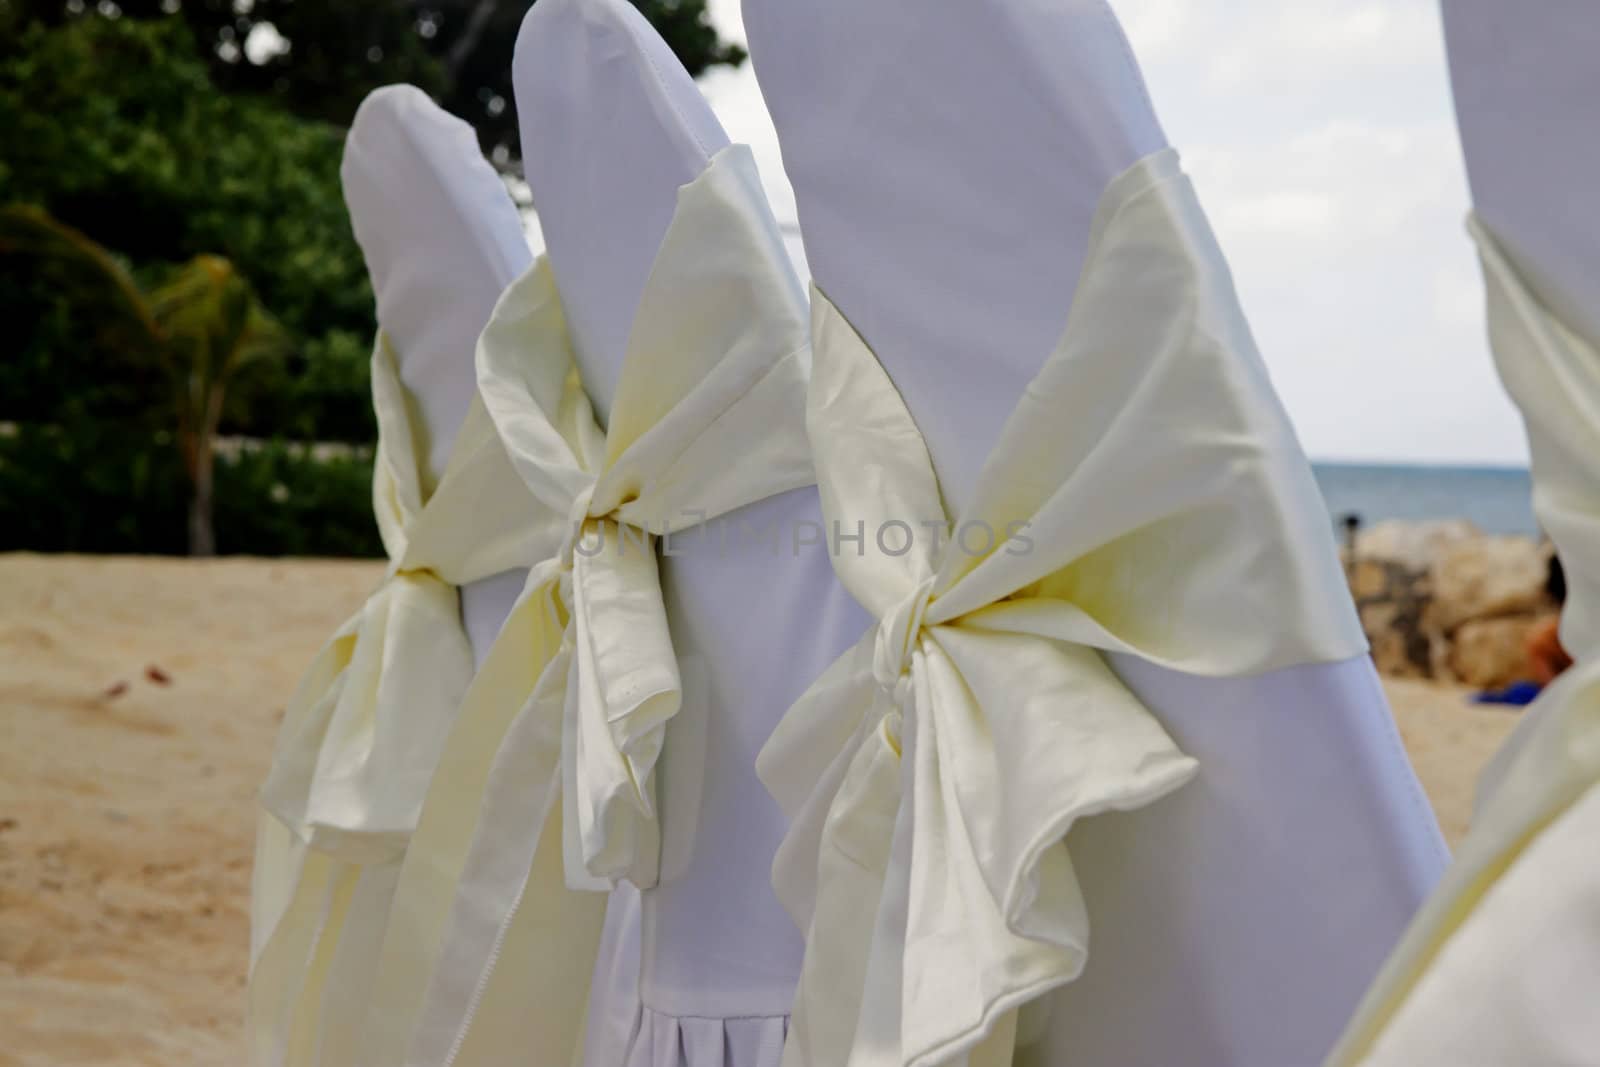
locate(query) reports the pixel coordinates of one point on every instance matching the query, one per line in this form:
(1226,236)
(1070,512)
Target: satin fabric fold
(563,726)
(1148,496)
(363,731)
(1552,759)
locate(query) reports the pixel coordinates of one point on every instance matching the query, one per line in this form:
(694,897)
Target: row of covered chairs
(763,677)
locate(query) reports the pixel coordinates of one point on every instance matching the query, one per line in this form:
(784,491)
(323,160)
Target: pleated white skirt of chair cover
(361,733)
(699,970)
(546,790)
(947,215)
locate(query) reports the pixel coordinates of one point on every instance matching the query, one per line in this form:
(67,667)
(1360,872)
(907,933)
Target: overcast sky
(1321,138)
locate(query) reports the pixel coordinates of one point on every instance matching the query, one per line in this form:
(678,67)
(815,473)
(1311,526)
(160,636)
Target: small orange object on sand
(1546,657)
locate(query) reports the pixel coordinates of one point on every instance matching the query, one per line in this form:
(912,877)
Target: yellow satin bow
(1146,496)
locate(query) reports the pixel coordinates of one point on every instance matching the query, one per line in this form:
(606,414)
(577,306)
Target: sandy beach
(138,703)
(139,699)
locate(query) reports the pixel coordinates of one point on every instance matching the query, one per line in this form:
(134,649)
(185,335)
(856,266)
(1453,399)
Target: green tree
(169,130)
(320,59)
(199,332)
(113,126)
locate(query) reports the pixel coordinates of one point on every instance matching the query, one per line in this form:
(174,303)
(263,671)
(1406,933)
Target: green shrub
(320,393)
(113,127)
(98,486)
(90,486)
(277,500)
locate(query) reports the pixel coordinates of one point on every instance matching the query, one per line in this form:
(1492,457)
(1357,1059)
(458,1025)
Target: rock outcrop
(1488,578)
(1444,600)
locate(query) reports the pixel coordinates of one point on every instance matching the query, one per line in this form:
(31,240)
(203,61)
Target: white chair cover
(441,238)
(360,735)
(515,949)
(1503,963)
(546,788)
(947,211)
(1524,78)
(706,961)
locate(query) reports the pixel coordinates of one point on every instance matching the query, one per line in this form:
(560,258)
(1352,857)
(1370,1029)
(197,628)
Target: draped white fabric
(670,1040)
(353,759)
(1515,983)
(944,209)
(1524,79)
(1487,932)
(946,212)
(441,238)
(361,734)
(754,607)
(1502,963)
(1159,505)
(492,940)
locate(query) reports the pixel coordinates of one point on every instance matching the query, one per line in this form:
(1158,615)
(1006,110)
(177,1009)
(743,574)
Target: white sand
(126,820)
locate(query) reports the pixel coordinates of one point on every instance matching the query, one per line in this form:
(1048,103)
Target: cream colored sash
(362,733)
(1160,505)
(1553,757)
(489,950)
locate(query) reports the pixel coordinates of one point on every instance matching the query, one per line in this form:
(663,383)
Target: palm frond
(31,234)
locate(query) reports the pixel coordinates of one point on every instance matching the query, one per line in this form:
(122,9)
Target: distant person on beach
(1351,521)
(1546,658)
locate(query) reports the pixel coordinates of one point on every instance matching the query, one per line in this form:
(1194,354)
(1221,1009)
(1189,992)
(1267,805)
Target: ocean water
(1497,499)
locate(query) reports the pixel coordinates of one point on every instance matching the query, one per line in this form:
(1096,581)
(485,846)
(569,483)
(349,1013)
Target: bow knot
(898,632)
(577,520)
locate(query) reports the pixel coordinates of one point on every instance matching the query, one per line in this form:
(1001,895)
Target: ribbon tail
(526,659)
(354,765)
(624,688)
(522,1002)
(286,793)
(522,792)
(1017,739)
(352,971)
(852,864)
(279,861)
(287,978)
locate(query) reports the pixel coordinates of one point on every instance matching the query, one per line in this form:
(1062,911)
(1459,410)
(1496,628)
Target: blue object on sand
(1519,694)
